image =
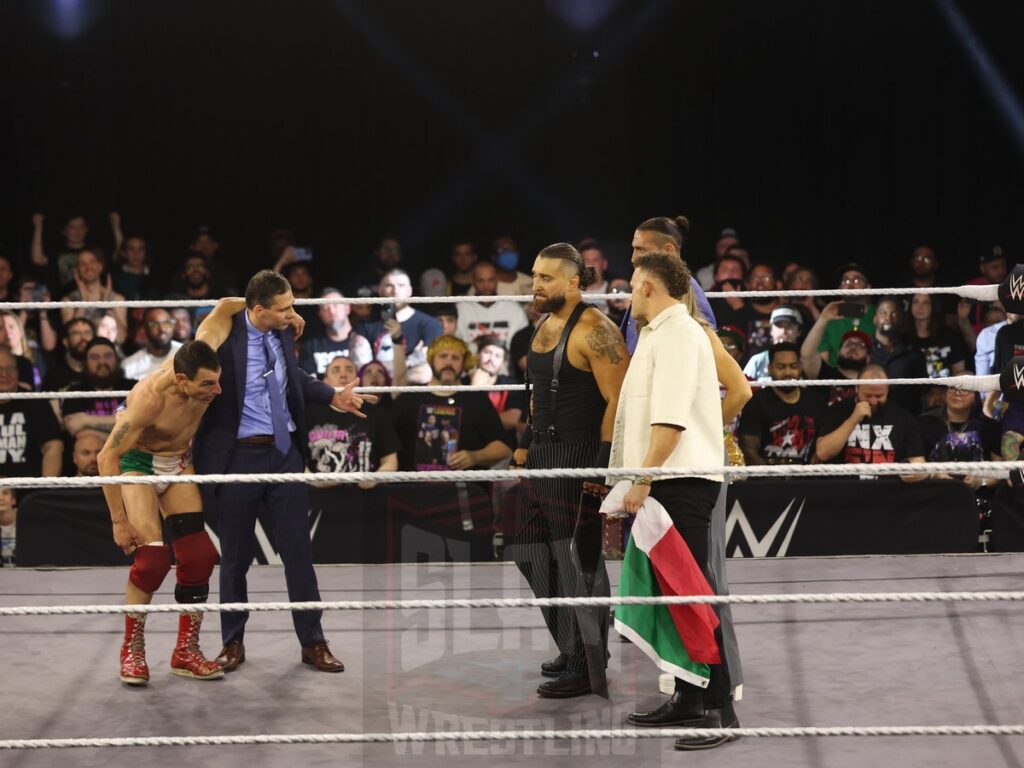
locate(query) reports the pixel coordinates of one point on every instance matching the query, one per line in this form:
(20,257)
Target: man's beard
(78,352)
(103,380)
(160,347)
(851,364)
(786,390)
(196,281)
(550,304)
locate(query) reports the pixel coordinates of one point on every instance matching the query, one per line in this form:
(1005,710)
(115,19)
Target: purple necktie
(278,411)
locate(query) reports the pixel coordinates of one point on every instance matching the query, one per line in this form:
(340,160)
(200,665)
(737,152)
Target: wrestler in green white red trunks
(153,464)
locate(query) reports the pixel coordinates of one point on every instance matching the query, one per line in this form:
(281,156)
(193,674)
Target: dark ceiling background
(822,130)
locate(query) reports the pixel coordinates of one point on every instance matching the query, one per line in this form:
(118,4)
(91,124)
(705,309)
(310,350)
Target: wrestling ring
(848,660)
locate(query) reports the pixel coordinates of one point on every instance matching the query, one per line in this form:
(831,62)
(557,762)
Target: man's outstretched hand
(349,401)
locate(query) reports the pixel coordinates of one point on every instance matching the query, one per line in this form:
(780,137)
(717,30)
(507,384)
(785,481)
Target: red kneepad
(196,557)
(152,562)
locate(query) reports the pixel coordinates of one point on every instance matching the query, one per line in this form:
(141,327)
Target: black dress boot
(715,718)
(566,685)
(554,667)
(684,708)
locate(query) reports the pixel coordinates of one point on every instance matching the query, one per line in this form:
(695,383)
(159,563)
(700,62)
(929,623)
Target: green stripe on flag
(650,627)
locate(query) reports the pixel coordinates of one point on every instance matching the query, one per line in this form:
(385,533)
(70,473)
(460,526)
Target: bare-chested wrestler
(152,436)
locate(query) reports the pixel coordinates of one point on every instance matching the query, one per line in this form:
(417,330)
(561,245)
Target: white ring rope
(969,383)
(517,735)
(806,598)
(988,468)
(976,292)
(989,383)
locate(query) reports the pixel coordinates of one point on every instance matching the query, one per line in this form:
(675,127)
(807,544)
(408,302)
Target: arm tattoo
(604,344)
(119,434)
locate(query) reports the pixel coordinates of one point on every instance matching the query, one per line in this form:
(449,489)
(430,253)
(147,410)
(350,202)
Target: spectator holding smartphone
(400,324)
(848,317)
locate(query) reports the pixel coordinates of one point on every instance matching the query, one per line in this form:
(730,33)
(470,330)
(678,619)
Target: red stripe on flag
(679,574)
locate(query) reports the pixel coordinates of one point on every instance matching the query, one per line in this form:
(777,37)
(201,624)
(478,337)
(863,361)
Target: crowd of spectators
(856,339)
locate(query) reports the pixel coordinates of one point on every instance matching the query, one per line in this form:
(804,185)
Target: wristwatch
(642,480)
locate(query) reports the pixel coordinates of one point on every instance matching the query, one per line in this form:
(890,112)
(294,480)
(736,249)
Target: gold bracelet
(642,480)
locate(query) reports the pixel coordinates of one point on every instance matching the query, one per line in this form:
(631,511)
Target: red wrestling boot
(187,660)
(134,670)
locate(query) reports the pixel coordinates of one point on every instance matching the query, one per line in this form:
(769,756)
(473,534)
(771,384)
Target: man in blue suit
(252,428)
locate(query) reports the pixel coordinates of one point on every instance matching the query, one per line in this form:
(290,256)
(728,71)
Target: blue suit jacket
(218,431)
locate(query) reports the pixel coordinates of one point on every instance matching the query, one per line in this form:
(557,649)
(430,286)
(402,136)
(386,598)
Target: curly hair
(669,269)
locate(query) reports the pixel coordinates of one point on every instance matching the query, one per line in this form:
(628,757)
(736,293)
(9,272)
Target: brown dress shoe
(231,655)
(320,656)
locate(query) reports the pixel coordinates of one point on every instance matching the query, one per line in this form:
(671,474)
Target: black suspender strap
(556,364)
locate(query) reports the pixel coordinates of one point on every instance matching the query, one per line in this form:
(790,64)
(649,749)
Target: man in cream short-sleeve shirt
(669,415)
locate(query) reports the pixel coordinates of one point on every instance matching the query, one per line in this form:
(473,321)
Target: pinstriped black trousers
(540,549)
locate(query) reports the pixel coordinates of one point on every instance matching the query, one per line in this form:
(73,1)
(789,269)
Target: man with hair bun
(667,236)
(576,362)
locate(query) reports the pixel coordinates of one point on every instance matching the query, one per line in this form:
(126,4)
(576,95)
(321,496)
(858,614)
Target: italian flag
(680,639)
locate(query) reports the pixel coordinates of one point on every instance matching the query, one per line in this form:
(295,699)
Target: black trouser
(540,549)
(689,502)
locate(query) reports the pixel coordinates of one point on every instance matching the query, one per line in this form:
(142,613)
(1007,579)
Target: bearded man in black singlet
(571,426)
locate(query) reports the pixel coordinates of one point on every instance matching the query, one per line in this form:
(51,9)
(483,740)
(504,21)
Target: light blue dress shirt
(256,418)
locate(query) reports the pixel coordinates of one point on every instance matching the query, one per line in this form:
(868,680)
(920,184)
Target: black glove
(604,455)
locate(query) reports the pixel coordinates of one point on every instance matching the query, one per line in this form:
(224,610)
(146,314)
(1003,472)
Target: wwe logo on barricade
(760,547)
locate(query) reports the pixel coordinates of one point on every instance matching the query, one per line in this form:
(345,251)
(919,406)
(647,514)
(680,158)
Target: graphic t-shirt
(941,352)
(836,394)
(431,427)
(25,425)
(97,406)
(502,319)
(343,442)
(318,351)
(752,321)
(973,440)
(891,435)
(787,430)
(1009,344)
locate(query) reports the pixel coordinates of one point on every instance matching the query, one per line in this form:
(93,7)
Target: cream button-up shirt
(671,380)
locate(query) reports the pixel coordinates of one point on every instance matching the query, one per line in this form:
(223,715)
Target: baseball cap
(433,283)
(728,232)
(851,267)
(991,254)
(855,334)
(100,341)
(734,334)
(787,314)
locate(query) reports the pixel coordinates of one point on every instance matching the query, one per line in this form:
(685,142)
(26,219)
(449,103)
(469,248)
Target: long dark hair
(567,252)
(677,230)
